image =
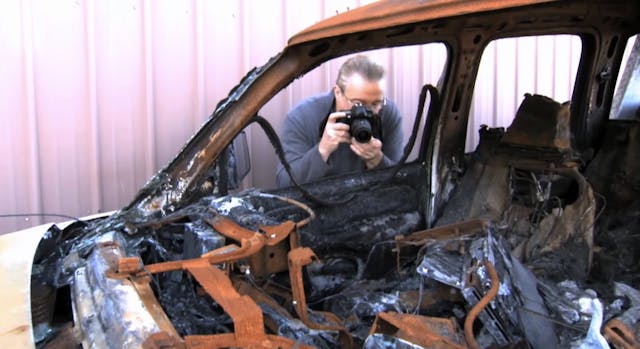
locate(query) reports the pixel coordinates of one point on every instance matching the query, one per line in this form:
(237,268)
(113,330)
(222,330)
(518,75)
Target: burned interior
(530,241)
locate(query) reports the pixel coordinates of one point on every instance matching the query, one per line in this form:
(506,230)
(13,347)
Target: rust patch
(620,335)
(18,330)
(428,332)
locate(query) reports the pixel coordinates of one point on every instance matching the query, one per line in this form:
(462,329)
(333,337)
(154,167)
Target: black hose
(434,107)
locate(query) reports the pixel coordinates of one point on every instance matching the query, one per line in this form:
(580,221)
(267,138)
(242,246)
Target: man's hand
(370,152)
(334,134)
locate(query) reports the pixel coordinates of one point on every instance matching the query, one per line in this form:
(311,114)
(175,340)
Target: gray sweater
(301,134)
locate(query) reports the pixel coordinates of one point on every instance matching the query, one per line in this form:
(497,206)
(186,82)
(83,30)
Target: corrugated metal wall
(98,95)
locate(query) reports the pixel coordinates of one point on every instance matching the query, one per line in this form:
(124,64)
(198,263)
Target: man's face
(360,90)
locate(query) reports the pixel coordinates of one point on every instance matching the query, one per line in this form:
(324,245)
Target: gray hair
(361,65)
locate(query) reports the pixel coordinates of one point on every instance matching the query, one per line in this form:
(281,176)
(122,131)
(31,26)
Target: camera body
(362,122)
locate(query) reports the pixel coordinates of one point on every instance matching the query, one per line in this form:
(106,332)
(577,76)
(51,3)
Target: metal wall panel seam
(35,194)
(244,64)
(200,101)
(150,151)
(92,87)
(494,92)
(287,26)
(554,64)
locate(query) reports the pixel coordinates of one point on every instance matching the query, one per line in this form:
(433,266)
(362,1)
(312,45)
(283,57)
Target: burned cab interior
(530,238)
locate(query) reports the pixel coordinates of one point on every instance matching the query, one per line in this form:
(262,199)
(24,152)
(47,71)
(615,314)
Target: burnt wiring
(600,212)
(299,224)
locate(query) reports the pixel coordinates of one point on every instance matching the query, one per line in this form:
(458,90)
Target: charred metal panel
(113,312)
(200,238)
(615,170)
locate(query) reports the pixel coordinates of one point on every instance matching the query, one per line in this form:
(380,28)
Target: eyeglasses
(375,107)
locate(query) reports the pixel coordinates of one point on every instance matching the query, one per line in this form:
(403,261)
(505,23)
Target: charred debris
(536,247)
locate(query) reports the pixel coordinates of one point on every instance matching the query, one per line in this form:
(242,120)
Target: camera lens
(361,130)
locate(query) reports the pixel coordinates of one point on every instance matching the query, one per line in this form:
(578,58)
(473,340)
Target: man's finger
(333,117)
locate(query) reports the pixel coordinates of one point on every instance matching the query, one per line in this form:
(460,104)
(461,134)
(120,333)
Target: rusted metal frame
(162,340)
(222,255)
(250,243)
(428,332)
(248,321)
(482,303)
(277,233)
(272,258)
(246,315)
(261,297)
(616,332)
(298,258)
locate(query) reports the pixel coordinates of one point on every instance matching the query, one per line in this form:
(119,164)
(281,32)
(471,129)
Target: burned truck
(529,240)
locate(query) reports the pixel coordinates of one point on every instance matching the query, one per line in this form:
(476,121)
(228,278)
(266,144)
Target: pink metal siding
(98,95)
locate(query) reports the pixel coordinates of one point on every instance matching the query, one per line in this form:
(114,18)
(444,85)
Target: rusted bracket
(427,332)
(298,258)
(616,332)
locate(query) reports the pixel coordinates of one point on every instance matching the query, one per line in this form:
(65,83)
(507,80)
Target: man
(316,140)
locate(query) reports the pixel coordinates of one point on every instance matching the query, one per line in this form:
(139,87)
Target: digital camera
(362,122)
